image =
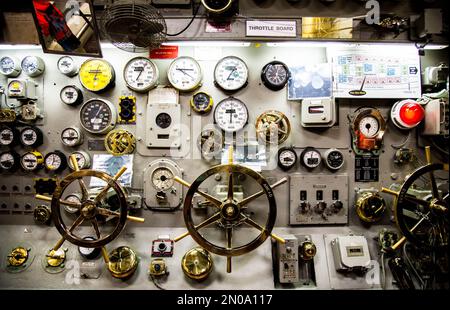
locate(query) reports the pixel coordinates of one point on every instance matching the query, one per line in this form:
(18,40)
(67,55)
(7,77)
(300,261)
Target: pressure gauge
(67,66)
(201,103)
(334,159)
(275,75)
(55,161)
(231,114)
(42,214)
(31,136)
(76,198)
(98,116)
(33,66)
(141,74)
(310,158)
(231,73)
(31,161)
(9,136)
(89,253)
(163,120)
(72,136)
(369,126)
(83,160)
(17,89)
(71,95)
(185,74)
(162,179)
(10,66)
(96,75)
(287,158)
(9,161)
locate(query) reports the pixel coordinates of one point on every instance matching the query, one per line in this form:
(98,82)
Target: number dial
(10,66)
(231,115)
(33,66)
(141,74)
(71,95)
(334,159)
(287,158)
(310,158)
(55,161)
(9,161)
(231,73)
(185,74)
(275,75)
(369,126)
(31,161)
(67,66)
(31,136)
(83,160)
(98,116)
(96,75)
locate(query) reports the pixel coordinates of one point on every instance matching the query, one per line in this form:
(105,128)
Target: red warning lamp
(407,114)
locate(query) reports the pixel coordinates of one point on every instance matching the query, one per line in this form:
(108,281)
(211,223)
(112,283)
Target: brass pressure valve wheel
(229,212)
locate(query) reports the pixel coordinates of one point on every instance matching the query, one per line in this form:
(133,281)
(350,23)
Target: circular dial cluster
(334,159)
(71,95)
(83,160)
(71,136)
(31,136)
(369,126)
(201,103)
(10,66)
(141,74)
(55,161)
(9,161)
(185,74)
(67,66)
(231,73)
(96,75)
(162,179)
(98,116)
(275,75)
(287,158)
(33,66)
(310,158)
(231,115)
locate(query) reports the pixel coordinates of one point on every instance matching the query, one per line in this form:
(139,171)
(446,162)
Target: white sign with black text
(271,28)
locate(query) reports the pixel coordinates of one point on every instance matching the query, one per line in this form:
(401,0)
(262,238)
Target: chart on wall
(373,73)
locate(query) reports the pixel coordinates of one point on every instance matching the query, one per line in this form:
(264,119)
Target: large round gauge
(67,66)
(31,161)
(310,158)
(31,136)
(275,75)
(231,114)
(334,159)
(71,95)
(287,158)
(141,74)
(71,136)
(72,198)
(185,74)
(162,179)
(163,120)
(9,161)
(96,75)
(83,160)
(201,103)
(9,136)
(98,116)
(10,66)
(231,73)
(33,66)
(55,161)
(369,126)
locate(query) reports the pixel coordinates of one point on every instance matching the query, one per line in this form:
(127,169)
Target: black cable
(185,28)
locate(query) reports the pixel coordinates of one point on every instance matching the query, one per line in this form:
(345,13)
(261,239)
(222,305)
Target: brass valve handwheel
(229,211)
(273,127)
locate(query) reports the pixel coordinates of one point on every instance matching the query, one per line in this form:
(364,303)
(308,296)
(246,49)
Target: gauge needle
(184,72)
(141,72)
(234,69)
(96,72)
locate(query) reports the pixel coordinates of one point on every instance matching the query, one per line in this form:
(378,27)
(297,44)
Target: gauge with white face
(141,74)
(33,66)
(185,74)
(71,95)
(71,136)
(98,116)
(9,161)
(369,126)
(231,73)
(55,161)
(310,158)
(31,161)
(231,115)
(72,198)
(67,66)
(83,160)
(31,136)
(8,136)
(162,179)
(10,66)
(287,158)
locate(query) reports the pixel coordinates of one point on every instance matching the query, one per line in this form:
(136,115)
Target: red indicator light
(412,113)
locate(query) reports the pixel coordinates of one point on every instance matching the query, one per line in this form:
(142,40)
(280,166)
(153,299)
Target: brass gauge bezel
(123,262)
(197,264)
(363,207)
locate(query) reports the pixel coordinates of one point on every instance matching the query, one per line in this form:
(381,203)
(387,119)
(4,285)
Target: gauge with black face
(163,120)
(31,136)
(71,95)
(201,103)
(9,161)
(310,158)
(55,161)
(31,161)
(334,159)
(8,136)
(287,158)
(275,75)
(98,116)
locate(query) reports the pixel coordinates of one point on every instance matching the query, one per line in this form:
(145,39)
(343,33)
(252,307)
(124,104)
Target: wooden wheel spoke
(107,212)
(215,202)
(84,190)
(77,223)
(252,223)
(94,223)
(434,188)
(61,201)
(250,198)
(229,233)
(105,189)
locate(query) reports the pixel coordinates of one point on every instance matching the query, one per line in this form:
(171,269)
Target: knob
(288,250)
(308,250)
(304,206)
(337,206)
(320,207)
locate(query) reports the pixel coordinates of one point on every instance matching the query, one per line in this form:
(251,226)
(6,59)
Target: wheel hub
(230,211)
(89,209)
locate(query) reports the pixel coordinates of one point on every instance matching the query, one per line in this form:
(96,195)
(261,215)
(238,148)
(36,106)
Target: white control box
(350,253)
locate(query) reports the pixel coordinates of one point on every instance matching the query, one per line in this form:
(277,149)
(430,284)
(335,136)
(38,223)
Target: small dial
(71,136)
(162,179)
(201,103)
(185,74)
(98,116)
(287,158)
(16,88)
(67,66)
(369,126)
(31,161)
(231,73)
(163,120)
(83,160)
(89,253)
(10,66)
(141,74)
(9,161)
(96,75)
(334,159)
(33,66)
(310,158)
(275,75)
(8,136)
(71,95)
(55,161)
(31,136)
(72,198)
(231,115)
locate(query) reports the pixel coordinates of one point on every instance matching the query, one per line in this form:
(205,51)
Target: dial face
(67,66)
(29,161)
(6,136)
(162,179)
(16,88)
(163,120)
(201,102)
(72,198)
(96,75)
(55,161)
(89,253)
(32,65)
(369,126)
(141,74)
(275,75)
(97,116)
(71,95)
(185,74)
(287,158)
(83,160)
(231,73)
(231,115)
(9,66)
(334,159)
(30,137)
(310,158)
(8,161)
(71,136)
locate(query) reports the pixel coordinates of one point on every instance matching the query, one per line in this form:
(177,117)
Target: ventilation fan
(133,25)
